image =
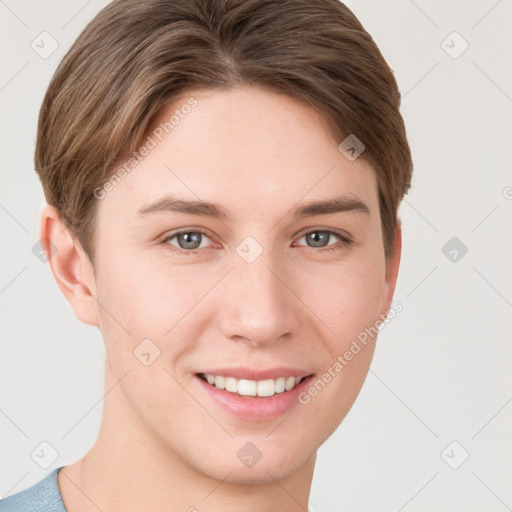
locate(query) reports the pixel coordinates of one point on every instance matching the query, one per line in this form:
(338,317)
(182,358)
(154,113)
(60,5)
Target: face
(253,285)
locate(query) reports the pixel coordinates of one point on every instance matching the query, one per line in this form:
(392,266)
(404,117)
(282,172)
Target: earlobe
(70,266)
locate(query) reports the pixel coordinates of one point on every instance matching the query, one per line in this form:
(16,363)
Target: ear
(70,265)
(392,266)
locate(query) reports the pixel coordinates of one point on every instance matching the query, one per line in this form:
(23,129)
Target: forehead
(244,148)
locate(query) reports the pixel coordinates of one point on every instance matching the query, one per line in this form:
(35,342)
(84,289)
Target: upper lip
(253,374)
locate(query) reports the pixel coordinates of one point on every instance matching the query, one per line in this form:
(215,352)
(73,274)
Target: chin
(253,466)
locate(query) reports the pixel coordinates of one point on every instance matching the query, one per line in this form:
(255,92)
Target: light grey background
(441,371)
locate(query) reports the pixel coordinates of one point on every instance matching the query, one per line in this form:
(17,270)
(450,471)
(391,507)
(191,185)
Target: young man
(223,179)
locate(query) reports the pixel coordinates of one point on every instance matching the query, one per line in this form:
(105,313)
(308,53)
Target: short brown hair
(136,56)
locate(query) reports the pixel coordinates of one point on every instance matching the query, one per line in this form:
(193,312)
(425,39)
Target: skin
(162,444)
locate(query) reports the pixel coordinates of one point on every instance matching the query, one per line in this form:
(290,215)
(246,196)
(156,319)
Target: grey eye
(190,240)
(318,238)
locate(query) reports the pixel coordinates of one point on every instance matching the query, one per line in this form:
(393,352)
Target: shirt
(44,496)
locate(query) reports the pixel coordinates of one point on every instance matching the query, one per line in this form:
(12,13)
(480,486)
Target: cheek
(140,302)
(349,305)
(347,300)
(149,296)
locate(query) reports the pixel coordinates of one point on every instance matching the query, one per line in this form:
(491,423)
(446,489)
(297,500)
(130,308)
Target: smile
(245,387)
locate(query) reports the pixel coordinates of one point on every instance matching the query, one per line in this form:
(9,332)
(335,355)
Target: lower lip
(254,408)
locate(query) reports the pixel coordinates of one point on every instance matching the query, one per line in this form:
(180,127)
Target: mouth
(253,388)
(258,400)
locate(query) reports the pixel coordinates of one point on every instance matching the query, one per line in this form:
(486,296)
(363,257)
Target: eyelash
(345,241)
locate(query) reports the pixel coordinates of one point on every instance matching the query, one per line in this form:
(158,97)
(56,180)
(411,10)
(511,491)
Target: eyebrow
(214,210)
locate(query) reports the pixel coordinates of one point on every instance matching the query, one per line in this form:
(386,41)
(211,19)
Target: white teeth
(220,382)
(231,384)
(247,387)
(266,387)
(280,384)
(290,382)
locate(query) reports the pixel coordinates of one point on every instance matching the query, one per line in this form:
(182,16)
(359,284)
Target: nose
(258,306)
